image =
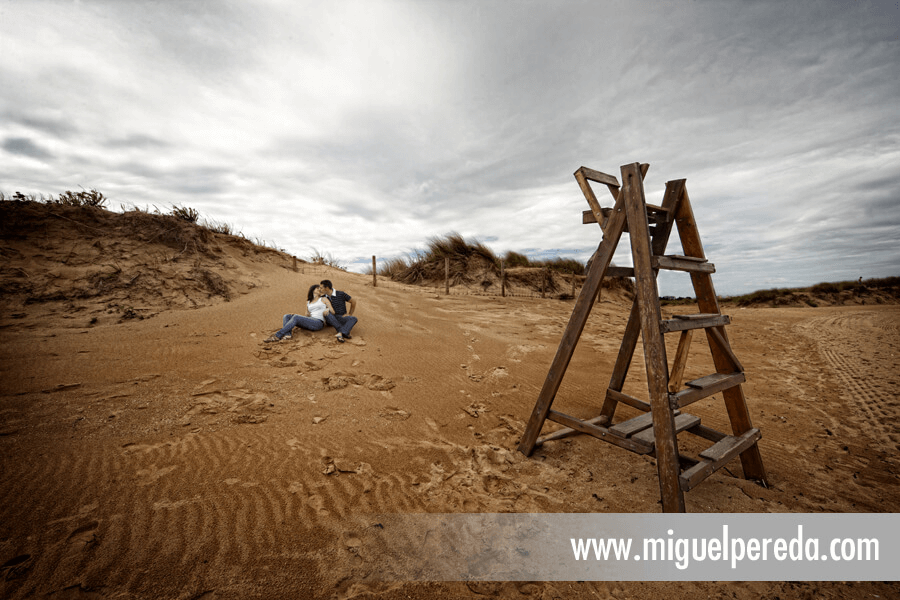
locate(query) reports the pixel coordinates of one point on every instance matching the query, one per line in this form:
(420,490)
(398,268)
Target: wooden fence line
(299,266)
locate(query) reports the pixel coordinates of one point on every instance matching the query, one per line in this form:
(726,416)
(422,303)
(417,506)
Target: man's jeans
(342,324)
(291,321)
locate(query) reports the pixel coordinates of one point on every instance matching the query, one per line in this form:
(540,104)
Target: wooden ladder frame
(654,432)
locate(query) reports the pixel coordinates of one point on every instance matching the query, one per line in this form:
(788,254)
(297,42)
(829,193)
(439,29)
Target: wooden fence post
(573,284)
(374,273)
(544,284)
(295,264)
(446,275)
(502,279)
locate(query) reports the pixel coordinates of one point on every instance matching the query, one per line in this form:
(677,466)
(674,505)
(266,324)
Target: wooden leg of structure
(671,198)
(614,227)
(676,376)
(735,402)
(654,345)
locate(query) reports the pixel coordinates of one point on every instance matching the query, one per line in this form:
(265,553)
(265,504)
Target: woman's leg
(288,326)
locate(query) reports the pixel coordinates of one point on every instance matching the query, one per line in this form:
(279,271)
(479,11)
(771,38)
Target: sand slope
(179,457)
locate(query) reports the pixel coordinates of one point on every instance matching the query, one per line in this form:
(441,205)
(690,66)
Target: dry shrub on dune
(470,262)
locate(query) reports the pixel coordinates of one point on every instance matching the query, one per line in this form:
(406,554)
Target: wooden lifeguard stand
(654,432)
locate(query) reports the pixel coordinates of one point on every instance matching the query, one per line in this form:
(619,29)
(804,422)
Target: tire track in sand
(847,341)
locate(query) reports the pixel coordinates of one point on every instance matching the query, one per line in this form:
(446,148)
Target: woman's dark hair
(309,294)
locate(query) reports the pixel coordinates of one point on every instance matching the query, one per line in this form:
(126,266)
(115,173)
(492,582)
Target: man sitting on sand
(342,319)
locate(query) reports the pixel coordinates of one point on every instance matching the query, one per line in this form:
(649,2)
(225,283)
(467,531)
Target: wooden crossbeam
(702,321)
(672,263)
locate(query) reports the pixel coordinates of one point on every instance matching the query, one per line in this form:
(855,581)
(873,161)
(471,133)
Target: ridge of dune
(178,456)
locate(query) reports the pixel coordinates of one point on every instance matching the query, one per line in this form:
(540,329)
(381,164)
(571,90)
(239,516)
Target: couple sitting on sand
(323,305)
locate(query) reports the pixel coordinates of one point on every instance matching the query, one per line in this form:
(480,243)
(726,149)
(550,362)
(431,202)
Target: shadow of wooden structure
(655,431)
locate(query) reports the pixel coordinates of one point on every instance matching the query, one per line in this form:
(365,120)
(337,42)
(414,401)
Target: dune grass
(469,259)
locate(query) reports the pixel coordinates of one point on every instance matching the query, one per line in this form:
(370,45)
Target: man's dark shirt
(339,302)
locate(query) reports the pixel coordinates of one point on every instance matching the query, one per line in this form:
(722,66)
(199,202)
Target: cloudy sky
(364,128)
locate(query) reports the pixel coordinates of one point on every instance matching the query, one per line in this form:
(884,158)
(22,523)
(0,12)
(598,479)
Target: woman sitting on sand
(317,306)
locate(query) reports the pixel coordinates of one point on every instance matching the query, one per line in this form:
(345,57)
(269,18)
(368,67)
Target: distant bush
(515,259)
(392,266)
(456,246)
(83,198)
(469,261)
(327,259)
(185,213)
(825,288)
(561,265)
(882,283)
(218,227)
(558,264)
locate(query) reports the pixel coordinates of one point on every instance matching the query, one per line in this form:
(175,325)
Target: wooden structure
(655,431)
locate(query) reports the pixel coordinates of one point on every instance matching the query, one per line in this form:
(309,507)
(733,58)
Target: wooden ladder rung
(698,321)
(628,428)
(717,456)
(681,263)
(682,257)
(698,389)
(715,380)
(682,422)
(597,431)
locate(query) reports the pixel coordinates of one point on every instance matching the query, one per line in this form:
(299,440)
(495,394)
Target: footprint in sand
(317,503)
(394,414)
(16,567)
(354,547)
(83,536)
(151,474)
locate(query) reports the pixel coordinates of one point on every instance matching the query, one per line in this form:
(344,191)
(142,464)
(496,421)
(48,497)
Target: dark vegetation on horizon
(826,291)
(875,290)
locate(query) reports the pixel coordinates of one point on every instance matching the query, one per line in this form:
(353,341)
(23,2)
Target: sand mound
(99,266)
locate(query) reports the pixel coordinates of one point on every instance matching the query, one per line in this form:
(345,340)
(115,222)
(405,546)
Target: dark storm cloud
(137,141)
(25,147)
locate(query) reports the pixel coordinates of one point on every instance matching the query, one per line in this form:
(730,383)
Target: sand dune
(179,457)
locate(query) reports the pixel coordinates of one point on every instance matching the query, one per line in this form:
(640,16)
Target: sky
(361,128)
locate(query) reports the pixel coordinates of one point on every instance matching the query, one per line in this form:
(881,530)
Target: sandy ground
(179,457)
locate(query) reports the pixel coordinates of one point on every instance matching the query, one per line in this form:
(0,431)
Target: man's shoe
(271,339)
